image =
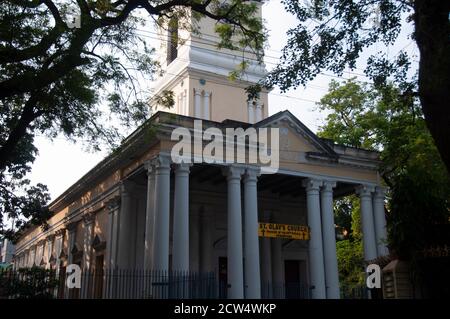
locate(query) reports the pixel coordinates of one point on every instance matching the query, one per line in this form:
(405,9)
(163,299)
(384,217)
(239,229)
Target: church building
(260,235)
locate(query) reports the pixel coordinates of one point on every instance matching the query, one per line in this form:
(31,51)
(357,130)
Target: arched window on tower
(172,43)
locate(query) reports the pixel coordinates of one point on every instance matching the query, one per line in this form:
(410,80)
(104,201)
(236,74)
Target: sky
(61,163)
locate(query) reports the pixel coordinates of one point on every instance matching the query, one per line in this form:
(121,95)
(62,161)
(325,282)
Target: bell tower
(198,75)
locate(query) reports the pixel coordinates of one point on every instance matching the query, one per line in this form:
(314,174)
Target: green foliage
(28,283)
(350,263)
(332,35)
(349,250)
(378,118)
(84,83)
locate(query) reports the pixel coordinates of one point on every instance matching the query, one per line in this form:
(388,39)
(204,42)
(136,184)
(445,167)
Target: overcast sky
(61,163)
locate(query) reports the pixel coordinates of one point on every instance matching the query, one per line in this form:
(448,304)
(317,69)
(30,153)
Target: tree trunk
(432,32)
(17,133)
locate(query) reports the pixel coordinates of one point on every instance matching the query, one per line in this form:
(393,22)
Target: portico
(212,211)
(161,215)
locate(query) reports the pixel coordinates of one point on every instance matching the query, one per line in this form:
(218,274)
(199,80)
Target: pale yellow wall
(101,224)
(228,100)
(178,87)
(64,209)
(291,143)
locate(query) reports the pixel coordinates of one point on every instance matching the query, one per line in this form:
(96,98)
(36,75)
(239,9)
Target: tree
(349,249)
(380,119)
(28,283)
(331,35)
(58,78)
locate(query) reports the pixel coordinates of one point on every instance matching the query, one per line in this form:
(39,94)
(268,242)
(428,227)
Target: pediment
(295,137)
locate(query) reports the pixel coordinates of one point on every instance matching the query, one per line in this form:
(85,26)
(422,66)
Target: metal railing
(141,284)
(108,284)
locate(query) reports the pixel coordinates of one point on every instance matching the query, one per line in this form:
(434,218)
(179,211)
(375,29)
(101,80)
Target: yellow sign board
(272,230)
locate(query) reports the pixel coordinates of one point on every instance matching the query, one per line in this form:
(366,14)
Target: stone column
(329,241)
(380,221)
(185,101)
(251,112)
(251,244)
(59,239)
(112,246)
(162,212)
(113,206)
(87,283)
(126,230)
(234,237)
(50,240)
(277,268)
(71,237)
(197,103)
(89,220)
(72,229)
(149,216)
(206,112)
(258,111)
(180,253)
(315,246)
(368,230)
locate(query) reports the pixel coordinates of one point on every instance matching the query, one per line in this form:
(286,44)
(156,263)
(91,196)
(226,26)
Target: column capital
(182,168)
(328,186)
(72,226)
(88,218)
(113,203)
(50,237)
(60,232)
(149,167)
(126,187)
(207,94)
(364,190)
(312,184)
(233,172)
(40,242)
(380,192)
(161,163)
(252,173)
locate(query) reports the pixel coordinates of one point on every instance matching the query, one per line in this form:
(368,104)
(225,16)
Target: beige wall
(93,200)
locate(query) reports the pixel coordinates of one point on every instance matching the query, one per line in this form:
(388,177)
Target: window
(172,43)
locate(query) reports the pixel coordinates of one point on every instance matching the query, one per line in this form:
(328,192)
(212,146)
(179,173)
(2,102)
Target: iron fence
(140,284)
(108,284)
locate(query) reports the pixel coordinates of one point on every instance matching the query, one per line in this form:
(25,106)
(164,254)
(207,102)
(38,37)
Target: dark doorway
(223,284)
(62,281)
(98,277)
(292,280)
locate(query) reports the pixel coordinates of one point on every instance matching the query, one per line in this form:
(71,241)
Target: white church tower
(198,75)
